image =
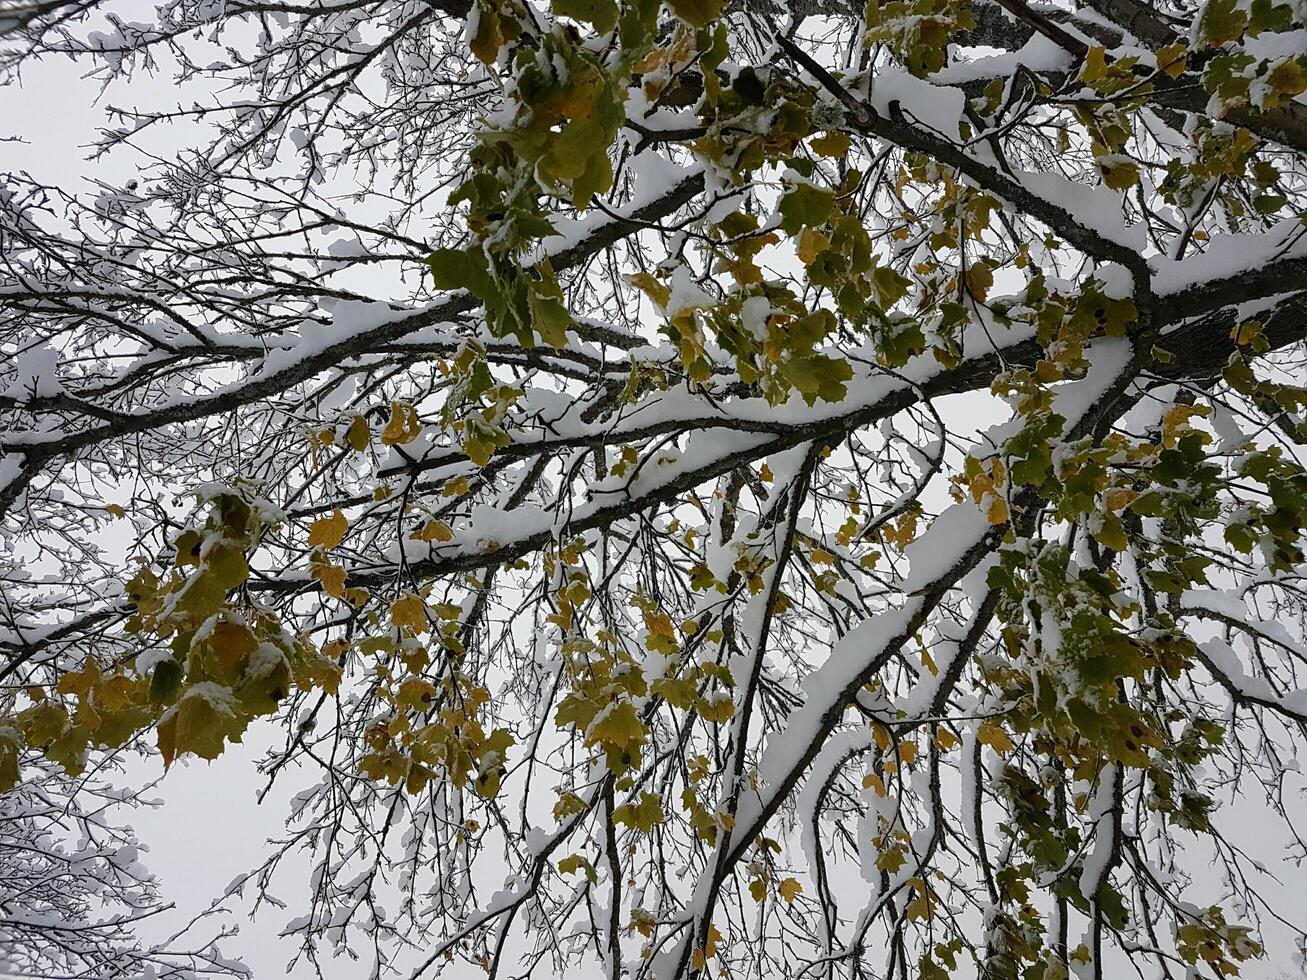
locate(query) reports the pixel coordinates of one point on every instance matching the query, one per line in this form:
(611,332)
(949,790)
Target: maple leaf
(992,735)
(327,532)
(790,888)
(619,727)
(409,611)
(332,578)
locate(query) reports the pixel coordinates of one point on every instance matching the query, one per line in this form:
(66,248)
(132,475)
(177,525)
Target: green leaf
(550,319)
(454,268)
(805,206)
(697,13)
(165,681)
(10,746)
(601,13)
(619,727)
(643,815)
(818,376)
(200,722)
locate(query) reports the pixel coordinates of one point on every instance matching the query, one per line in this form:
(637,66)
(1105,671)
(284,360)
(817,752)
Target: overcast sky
(210,827)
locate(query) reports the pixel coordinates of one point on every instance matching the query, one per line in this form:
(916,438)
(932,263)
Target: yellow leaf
(328,531)
(619,727)
(332,578)
(403,426)
(873,781)
(714,937)
(928,662)
(811,244)
(1171,59)
(455,487)
(697,13)
(1119,497)
(1247,333)
(358,435)
(998,511)
(433,530)
(995,737)
(81,682)
(10,748)
(758,889)
(1120,175)
(979,279)
(833,144)
(115,510)
(409,611)
(574,863)
(485,43)
(790,889)
(881,734)
(199,723)
(651,287)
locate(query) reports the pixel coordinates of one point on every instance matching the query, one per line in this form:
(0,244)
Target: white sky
(210,828)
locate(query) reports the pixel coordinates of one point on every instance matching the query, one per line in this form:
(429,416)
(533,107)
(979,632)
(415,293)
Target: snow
(1093,206)
(833,755)
(349,319)
(686,294)
(1228,255)
(1222,659)
(954,532)
(35,375)
(151,658)
(1038,54)
(854,656)
(266,658)
(754,313)
(1097,860)
(1229,605)
(933,106)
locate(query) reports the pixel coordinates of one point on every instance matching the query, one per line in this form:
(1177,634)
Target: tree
(73,889)
(563,421)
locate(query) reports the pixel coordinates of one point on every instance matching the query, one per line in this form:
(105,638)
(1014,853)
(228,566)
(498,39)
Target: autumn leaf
(790,888)
(433,530)
(10,748)
(199,723)
(697,13)
(358,435)
(601,13)
(327,532)
(409,612)
(403,426)
(618,726)
(992,735)
(574,863)
(331,576)
(642,815)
